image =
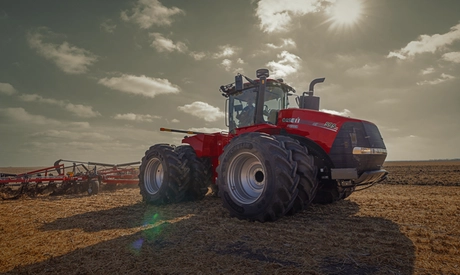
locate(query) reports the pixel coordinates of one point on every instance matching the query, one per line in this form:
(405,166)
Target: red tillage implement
(123,173)
(61,179)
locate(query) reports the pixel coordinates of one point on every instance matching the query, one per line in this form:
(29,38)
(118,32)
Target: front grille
(357,134)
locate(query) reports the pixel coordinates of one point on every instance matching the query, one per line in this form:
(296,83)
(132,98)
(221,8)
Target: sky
(95,80)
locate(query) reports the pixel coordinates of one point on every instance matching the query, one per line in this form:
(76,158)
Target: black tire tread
(306,171)
(196,172)
(280,161)
(174,187)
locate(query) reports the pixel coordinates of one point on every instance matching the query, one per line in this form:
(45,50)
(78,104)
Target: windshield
(242,106)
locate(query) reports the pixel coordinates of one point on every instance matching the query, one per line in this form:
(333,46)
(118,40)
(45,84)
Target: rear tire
(257,177)
(161,176)
(306,171)
(197,173)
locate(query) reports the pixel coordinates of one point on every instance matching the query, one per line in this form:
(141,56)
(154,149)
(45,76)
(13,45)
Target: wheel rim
(246,178)
(153,176)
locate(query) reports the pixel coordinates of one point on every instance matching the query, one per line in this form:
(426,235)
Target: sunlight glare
(345,13)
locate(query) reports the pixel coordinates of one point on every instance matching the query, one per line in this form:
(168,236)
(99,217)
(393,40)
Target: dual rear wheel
(172,174)
(263,177)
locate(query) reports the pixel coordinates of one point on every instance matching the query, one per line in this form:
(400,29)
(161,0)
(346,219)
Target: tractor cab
(247,107)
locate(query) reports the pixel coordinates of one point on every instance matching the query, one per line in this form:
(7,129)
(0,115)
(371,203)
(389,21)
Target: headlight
(369,151)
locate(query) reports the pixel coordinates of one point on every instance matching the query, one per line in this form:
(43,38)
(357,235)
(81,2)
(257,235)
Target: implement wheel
(93,187)
(161,176)
(257,178)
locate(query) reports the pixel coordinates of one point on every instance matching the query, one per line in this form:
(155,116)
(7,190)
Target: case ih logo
(296,120)
(291,120)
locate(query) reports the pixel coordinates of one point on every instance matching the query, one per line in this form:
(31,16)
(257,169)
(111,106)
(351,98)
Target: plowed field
(408,225)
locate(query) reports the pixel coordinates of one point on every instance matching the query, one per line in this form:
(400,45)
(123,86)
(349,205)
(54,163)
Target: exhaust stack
(307,100)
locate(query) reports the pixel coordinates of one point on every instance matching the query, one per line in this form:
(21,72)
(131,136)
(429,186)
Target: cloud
(38,98)
(276,16)
(227,64)
(174,120)
(365,70)
(147,13)
(429,70)
(108,26)
(285,44)
(163,44)
(77,109)
(202,110)
(197,55)
(397,55)
(22,116)
(444,77)
(136,117)
(81,110)
(288,64)
(68,58)
(345,112)
(72,135)
(6,88)
(225,51)
(428,43)
(452,57)
(140,85)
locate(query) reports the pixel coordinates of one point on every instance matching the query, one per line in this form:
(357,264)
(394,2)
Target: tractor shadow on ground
(122,217)
(196,237)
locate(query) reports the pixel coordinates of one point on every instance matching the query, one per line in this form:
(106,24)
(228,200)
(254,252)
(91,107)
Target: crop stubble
(409,225)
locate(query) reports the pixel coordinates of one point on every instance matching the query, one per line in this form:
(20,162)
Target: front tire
(257,178)
(161,176)
(306,171)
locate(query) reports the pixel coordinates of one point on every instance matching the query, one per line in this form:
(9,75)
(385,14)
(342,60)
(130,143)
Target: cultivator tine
(9,194)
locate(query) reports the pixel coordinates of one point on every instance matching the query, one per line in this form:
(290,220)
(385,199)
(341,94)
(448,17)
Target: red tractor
(273,161)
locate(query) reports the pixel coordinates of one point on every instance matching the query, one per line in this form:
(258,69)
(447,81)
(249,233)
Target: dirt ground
(408,225)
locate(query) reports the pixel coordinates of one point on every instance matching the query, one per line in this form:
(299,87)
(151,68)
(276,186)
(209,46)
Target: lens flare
(345,13)
(137,244)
